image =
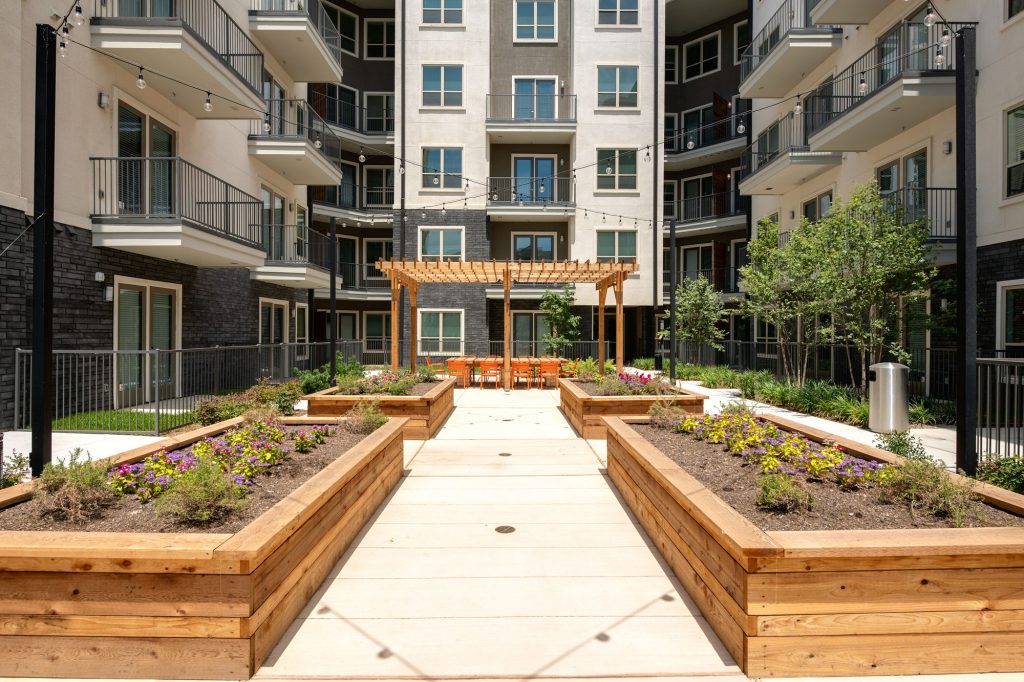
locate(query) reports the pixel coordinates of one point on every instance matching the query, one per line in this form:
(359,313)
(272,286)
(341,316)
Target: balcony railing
(362,277)
(205,19)
(934,206)
(531,108)
(724,279)
(296,245)
(781,137)
(294,118)
(164,188)
(355,197)
(683,141)
(549,191)
(314,9)
(707,207)
(793,14)
(911,47)
(369,121)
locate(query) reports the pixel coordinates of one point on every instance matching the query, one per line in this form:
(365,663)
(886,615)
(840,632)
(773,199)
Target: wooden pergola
(412,273)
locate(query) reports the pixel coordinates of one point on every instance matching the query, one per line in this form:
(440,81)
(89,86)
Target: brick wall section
(220,306)
(996,263)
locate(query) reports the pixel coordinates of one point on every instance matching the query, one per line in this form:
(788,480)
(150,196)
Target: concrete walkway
(431,590)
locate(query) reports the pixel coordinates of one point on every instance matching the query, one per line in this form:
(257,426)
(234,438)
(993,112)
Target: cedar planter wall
(184,606)
(809,603)
(425,413)
(586,412)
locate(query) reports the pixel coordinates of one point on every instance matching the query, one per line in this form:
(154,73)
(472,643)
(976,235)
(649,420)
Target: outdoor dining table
(474,361)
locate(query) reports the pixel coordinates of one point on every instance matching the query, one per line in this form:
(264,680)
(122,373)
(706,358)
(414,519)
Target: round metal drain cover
(505,529)
(504,454)
(507,420)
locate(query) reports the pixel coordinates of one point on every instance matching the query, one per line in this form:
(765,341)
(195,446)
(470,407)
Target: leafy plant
(699,314)
(365,417)
(13,469)
(903,444)
(152,476)
(203,493)
(924,486)
(666,415)
(628,384)
(563,324)
(74,490)
(306,441)
(1005,472)
(736,407)
(313,380)
(781,493)
(264,393)
(587,370)
(645,364)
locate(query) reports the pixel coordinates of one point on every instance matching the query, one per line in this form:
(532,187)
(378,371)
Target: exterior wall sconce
(100,277)
(108,293)
(102,100)
(947,147)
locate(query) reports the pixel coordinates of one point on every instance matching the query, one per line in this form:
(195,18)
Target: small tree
(563,325)
(699,310)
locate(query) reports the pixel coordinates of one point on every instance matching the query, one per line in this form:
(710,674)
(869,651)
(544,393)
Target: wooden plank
(620,323)
(923,622)
(121,626)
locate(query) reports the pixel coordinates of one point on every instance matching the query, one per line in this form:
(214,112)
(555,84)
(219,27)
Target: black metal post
(42,248)
(332,322)
(966,251)
(673,278)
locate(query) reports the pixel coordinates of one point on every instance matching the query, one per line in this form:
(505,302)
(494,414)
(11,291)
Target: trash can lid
(888,365)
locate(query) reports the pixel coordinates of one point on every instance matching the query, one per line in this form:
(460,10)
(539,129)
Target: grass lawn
(121,421)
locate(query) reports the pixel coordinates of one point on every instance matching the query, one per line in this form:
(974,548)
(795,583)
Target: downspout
(656,154)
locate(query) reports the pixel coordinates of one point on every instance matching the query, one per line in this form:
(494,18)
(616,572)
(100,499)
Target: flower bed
(200,605)
(425,413)
(830,602)
(585,410)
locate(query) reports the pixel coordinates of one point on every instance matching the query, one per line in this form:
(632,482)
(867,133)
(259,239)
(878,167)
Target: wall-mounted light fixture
(102,100)
(100,277)
(947,147)
(108,293)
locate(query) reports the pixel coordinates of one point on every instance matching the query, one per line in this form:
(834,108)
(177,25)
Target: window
(1015,7)
(671,132)
(380,39)
(375,250)
(617,86)
(147,315)
(616,247)
(144,186)
(346,23)
(379,186)
(440,331)
(442,85)
(377,332)
(818,207)
(1015,151)
(380,112)
(740,40)
(618,13)
(301,325)
(697,126)
(697,262)
(698,198)
(701,57)
(671,64)
(442,11)
(442,167)
(535,19)
(340,105)
(1012,314)
(616,169)
(669,197)
(441,243)
(528,332)
(533,247)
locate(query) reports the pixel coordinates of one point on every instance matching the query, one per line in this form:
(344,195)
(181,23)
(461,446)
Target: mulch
(735,482)
(128,515)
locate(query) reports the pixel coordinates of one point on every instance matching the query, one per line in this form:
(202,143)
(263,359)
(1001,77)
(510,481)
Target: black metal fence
(792,14)
(373,199)
(531,108)
(376,119)
(296,245)
(317,16)
(571,350)
(296,119)
(530,191)
(1000,408)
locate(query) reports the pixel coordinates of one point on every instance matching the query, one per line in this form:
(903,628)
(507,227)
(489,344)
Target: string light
(63,49)
(940,59)
(401,169)
(862,87)
(444,211)
(266,123)
(946,38)
(690,144)
(208,105)
(362,156)
(318,143)
(436,180)
(78,14)
(140,82)
(929,18)
(798,109)
(741,128)
(467,186)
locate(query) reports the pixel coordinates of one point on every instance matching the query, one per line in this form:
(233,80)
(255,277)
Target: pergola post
(602,295)
(620,284)
(413,324)
(396,292)
(507,360)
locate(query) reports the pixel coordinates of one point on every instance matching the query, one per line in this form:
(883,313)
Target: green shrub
(736,407)
(13,469)
(264,393)
(903,444)
(666,415)
(587,370)
(1005,472)
(201,494)
(781,493)
(922,414)
(313,380)
(75,490)
(348,385)
(750,382)
(646,364)
(924,486)
(930,411)
(364,417)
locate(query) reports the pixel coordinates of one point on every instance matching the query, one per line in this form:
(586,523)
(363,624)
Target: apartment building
(845,92)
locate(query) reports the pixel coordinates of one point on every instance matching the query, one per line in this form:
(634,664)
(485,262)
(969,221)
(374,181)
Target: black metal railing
(934,206)
(162,188)
(707,207)
(533,191)
(205,19)
(355,197)
(723,279)
(793,14)
(1000,408)
(909,48)
(362,277)
(571,350)
(531,108)
(683,141)
(295,119)
(781,137)
(296,245)
(314,9)
(350,116)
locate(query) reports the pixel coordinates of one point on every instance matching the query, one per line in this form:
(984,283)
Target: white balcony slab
(788,170)
(297,45)
(175,240)
(296,275)
(798,53)
(297,159)
(857,12)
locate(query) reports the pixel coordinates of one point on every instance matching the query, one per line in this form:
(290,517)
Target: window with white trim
(616,169)
(618,12)
(528,246)
(1015,151)
(816,208)
(347,25)
(618,86)
(669,198)
(535,20)
(1014,7)
(671,64)
(380,39)
(442,167)
(377,331)
(616,246)
(442,85)
(740,40)
(441,244)
(440,331)
(442,11)
(1012,305)
(671,132)
(702,56)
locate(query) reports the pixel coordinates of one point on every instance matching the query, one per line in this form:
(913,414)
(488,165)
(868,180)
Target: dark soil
(128,515)
(834,508)
(417,389)
(592,388)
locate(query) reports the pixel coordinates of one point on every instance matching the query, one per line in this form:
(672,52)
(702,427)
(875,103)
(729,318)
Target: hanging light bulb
(741,128)
(634,224)
(444,211)
(862,87)
(608,169)
(541,188)
(603,218)
(436,180)
(401,169)
(647,156)
(318,143)
(586,213)
(946,38)
(690,144)
(78,14)
(208,105)
(620,221)
(494,196)
(467,186)
(63,49)
(362,156)
(798,109)
(940,59)
(141,80)
(66,30)
(266,123)
(423,215)
(930,18)
(544,207)
(465,204)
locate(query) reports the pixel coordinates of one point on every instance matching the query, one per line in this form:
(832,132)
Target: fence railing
(707,207)
(723,279)
(1000,408)
(355,197)
(935,206)
(205,19)
(571,350)
(362,277)
(682,141)
(530,191)
(781,137)
(531,108)
(170,187)
(793,14)
(314,9)
(294,118)
(296,245)
(373,120)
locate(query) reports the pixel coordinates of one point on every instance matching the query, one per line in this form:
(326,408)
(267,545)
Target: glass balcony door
(273,224)
(145,187)
(535,98)
(534,178)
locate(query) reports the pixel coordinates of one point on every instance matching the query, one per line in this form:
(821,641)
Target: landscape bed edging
(586,412)
(831,603)
(425,413)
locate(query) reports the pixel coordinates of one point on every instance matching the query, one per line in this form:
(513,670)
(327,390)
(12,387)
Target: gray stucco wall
(509,59)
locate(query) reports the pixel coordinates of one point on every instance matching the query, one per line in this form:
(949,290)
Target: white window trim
(515,26)
(462,239)
(299,352)
(366,42)
(547,77)
(462,331)
(737,56)
(618,92)
(700,40)
(691,178)
(734,187)
(532,233)
(440,188)
(635,257)
(337,313)
(442,24)
(1006,145)
(672,144)
(616,175)
(366,185)
(287,316)
(366,261)
(675,198)
(618,11)
(697,144)
(554,157)
(377,93)
(1001,289)
(442,106)
(356,39)
(675,64)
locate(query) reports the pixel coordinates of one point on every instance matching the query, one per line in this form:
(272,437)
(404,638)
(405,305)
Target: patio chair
(568,369)
(461,370)
(549,369)
(490,369)
(522,369)
(436,368)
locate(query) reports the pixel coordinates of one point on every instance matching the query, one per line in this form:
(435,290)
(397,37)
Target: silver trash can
(889,406)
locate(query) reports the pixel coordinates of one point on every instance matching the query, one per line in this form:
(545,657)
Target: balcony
(894,89)
(191,40)
(726,280)
(356,126)
(359,282)
(167,208)
(531,118)
(304,41)
(707,214)
(355,204)
(294,141)
(704,147)
(932,206)
(525,291)
(528,198)
(788,47)
(779,160)
(845,12)
(296,256)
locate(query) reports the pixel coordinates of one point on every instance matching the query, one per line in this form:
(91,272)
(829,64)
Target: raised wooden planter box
(809,603)
(586,412)
(425,413)
(184,606)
